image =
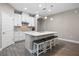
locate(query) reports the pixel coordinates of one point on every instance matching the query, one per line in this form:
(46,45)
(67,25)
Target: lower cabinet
(19,35)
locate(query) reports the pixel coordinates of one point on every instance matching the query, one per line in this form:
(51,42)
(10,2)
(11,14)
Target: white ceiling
(33,8)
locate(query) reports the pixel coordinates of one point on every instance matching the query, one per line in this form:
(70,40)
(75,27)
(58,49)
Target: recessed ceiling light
(51,19)
(45,17)
(40,5)
(25,8)
(49,10)
(37,15)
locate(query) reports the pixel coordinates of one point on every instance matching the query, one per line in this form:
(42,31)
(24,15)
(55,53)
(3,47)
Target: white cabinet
(17,19)
(29,19)
(19,35)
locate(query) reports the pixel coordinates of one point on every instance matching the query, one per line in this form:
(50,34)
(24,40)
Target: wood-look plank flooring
(62,48)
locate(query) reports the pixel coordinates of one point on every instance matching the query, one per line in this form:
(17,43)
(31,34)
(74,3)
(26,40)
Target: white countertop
(34,33)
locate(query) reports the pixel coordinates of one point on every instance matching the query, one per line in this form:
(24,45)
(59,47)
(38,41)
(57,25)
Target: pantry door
(7,30)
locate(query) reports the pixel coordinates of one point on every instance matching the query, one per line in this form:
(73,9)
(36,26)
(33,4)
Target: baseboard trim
(6,47)
(72,41)
(19,41)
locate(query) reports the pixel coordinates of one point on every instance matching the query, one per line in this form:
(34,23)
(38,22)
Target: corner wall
(66,24)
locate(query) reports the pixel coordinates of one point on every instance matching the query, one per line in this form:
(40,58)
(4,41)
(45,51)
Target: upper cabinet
(28,19)
(19,18)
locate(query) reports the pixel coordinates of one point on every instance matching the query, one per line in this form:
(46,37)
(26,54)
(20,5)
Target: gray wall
(39,24)
(0,32)
(65,23)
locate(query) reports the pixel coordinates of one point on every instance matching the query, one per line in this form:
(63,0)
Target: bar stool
(47,45)
(52,41)
(42,45)
(37,46)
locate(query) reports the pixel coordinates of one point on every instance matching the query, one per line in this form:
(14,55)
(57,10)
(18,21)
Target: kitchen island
(33,35)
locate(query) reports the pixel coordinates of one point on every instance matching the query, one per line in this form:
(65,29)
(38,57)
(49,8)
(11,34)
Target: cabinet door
(28,42)
(7,30)
(22,36)
(17,20)
(19,36)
